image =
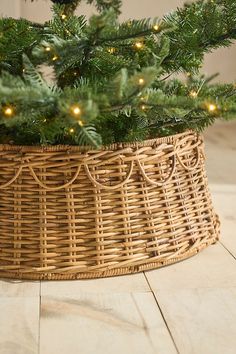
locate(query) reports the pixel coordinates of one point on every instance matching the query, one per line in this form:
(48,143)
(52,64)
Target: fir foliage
(112,81)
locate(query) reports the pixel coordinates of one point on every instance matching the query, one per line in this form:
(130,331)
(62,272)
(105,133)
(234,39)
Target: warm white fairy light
(141,81)
(156,27)
(211,107)
(193,94)
(8,111)
(75,110)
(54,58)
(139,45)
(111,50)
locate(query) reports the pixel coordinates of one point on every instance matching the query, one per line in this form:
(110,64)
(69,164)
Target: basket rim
(74,148)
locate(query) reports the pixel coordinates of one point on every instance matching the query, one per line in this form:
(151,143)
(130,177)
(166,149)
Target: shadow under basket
(71,213)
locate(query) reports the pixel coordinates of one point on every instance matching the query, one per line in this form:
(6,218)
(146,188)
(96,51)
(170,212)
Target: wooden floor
(186,308)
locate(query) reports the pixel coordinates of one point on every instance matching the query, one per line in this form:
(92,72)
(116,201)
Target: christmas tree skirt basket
(71,213)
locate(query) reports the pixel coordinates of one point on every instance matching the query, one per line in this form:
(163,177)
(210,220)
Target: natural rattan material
(68,213)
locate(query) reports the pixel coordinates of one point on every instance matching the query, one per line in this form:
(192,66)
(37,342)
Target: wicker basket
(68,213)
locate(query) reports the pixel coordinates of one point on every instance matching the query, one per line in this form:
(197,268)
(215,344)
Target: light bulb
(139,45)
(211,107)
(141,81)
(8,111)
(193,94)
(75,110)
(111,50)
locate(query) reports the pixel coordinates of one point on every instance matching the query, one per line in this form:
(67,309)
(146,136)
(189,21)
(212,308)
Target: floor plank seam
(145,324)
(162,314)
(226,248)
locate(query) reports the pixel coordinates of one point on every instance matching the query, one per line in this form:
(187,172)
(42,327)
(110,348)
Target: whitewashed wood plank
(213,267)
(19,325)
(153,320)
(127,283)
(18,288)
(202,321)
(101,323)
(228,238)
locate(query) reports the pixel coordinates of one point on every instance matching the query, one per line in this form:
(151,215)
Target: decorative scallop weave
(68,213)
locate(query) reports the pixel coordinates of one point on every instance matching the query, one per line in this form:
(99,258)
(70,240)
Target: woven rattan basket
(68,213)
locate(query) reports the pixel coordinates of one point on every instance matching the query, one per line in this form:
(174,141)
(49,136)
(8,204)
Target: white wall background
(222,60)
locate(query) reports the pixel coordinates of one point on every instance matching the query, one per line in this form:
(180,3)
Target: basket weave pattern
(68,213)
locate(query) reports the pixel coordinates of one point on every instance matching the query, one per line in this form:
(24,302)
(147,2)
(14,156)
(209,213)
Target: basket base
(69,214)
(110,272)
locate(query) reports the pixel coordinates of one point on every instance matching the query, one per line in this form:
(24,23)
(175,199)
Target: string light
(141,81)
(47,49)
(8,111)
(143,107)
(111,50)
(54,58)
(193,94)
(63,17)
(156,27)
(139,45)
(211,107)
(143,98)
(71,130)
(75,110)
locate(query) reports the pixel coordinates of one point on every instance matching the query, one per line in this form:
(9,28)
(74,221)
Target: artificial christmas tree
(102,171)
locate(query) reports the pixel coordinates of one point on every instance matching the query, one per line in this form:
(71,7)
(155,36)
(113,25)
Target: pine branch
(198,28)
(32,76)
(88,136)
(131,30)
(103,5)
(108,83)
